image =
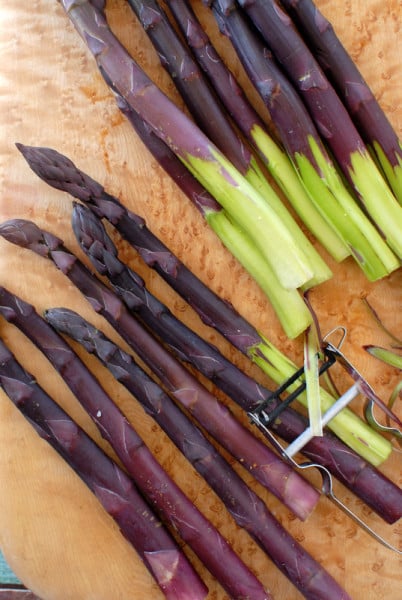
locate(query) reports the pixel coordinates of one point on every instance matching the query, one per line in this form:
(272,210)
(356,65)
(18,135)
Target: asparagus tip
(27,234)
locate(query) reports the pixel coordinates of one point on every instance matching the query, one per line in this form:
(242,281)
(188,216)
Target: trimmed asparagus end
(289,306)
(320,269)
(387,356)
(378,200)
(288,179)
(246,206)
(333,199)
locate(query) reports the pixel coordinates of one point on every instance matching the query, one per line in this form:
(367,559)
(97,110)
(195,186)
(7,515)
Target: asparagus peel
(330,116)
(188,346)
(243,203)
(150,478)
(111,485)
(390,357)
(305,148)
(254,129)
(245,506)
(208,113)
(365,481)
(364,108)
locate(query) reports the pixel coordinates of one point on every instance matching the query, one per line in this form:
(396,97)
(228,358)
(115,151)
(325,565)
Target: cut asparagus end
(333,199)
(321,271)
(378,200)
(289,306)
(288,179)
(258,220)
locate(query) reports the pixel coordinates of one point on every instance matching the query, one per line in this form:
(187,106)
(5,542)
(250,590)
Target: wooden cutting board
(53,532)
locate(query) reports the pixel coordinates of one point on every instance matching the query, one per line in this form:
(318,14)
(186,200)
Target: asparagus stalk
(195,90)
(110,484)
(382,495)
(364,108)
(330,116)
(243,203)
(254,129)
(152,481)
(245,506)
(304,146)
(187,345)
(270,470)
(209,114)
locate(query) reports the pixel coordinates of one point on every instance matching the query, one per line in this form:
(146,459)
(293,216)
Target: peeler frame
(263,420)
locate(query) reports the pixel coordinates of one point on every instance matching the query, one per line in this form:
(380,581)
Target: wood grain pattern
(53,532)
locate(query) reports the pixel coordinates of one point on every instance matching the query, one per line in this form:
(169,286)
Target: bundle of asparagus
(331,197)
(253,127)
(364,108)
(60,172)
(307,151)
(331,116)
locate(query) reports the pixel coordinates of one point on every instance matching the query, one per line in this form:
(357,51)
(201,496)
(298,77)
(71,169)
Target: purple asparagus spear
(153,482)
(245,506)
(111,485)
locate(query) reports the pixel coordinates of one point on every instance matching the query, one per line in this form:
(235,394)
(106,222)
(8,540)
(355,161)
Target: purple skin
(292,121)
(191,83)
(381,494)
(329,114)
(244,505)
(224,82)
(110,484)
(335,61)
(152,481)
(279,477)
(59,172)
(130,81)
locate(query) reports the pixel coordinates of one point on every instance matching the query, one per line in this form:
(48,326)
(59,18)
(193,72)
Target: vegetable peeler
(263,419)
